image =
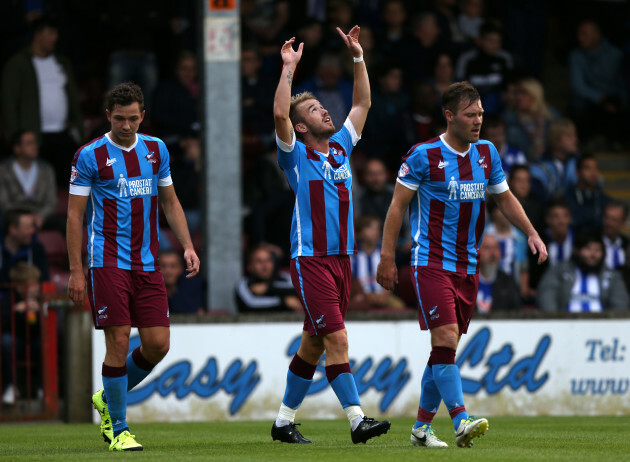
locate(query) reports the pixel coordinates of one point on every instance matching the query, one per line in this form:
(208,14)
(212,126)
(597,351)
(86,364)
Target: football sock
(299,379)
(449,382)
(137,369)
(115,384)
(430,399)
(342,382)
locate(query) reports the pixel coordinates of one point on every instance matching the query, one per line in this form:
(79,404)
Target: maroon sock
(301,368)
(335,370)
(442,355)
(141,361)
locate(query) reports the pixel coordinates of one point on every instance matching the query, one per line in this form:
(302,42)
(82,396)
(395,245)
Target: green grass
(573,439)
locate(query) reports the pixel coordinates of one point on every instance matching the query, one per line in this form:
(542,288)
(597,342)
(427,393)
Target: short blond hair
(296,100)
(557,129)
(22,273)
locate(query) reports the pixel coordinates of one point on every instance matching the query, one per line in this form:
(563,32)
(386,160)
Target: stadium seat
(55,245)
(62,202)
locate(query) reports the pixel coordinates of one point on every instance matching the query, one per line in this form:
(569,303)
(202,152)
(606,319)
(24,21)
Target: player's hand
(289,55)
(538,247)
(76,288)
(387,273)
(192,263)
(352,41)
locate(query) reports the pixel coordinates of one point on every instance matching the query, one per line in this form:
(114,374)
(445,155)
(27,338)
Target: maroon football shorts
(444,297)
(127,297)
(323,285)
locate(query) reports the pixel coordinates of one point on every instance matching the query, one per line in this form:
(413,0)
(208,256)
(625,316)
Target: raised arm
(387,273)
(282,100)
(361,98)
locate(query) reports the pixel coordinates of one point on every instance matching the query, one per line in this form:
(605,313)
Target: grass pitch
(573,439)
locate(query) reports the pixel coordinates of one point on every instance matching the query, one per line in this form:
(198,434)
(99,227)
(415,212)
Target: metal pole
(222,128)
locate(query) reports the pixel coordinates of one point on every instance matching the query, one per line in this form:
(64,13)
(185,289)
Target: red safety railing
(31,339)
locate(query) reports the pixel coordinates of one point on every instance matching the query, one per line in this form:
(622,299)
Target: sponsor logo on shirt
(341,173)
(109,162)
(404,169)
(133,188)
(327,168)
(442,164)
(466,191)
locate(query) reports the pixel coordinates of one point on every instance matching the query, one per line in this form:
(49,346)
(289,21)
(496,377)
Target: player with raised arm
(444,182)
(119,178)
(316,160)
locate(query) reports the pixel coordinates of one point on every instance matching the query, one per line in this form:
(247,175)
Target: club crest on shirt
(150,157)
(482,162)
(403,170)
(74,173)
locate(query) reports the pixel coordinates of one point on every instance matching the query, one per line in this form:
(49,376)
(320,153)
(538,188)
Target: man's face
(315,119)
(496,135)
(568,141)
(589,173)
(613,221)
(187,71)
(490,43)
(591,255)
(250,63)
(28,147)
(171,267)
(47,39)
(520,183)
(261,265)
(558,220)
(375,176)
(588,36)
(370,235)
(24,231)
(466,123)
(489,251)
(125,121)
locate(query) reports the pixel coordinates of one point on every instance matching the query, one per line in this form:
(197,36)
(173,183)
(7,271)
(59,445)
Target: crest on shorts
(320,324)
(404,169)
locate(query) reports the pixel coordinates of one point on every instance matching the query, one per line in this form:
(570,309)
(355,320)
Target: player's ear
(449,115)
(300,127)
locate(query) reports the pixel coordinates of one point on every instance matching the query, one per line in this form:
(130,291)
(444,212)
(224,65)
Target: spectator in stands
(598,92)
(586,198)
(520,182)
(263,21)
(340,13)
(310,32)
(365,292)
(471,19)
(494,131)
(528,125)
(176,103)
(583,284)
(425,46)
(39,94)
(26,307)
(19,244)
(450,34)
(186,171)
(616,243)
(555,172)
(513,245)
(26,181)
(395,42)
(264,289)
(497,290)
(558,238)
(330,88)
(185,295)
(486,67)
(443,73)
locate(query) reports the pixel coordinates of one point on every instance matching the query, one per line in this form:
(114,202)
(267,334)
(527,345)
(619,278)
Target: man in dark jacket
(497,289)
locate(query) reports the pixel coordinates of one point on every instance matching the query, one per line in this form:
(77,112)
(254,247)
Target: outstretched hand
(352,41)
(289,55)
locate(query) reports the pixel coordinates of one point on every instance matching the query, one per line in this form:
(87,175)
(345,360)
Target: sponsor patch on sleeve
(404,169)
(74,173)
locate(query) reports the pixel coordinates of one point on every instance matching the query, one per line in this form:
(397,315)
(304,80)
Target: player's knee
(155,352)
(337,341)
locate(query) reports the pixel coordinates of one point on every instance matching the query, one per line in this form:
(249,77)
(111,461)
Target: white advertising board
(515,367)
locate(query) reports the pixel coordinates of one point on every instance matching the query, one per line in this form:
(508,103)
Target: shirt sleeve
(287,153)
(497,182)
(410,171)
(165,165)
(82,175)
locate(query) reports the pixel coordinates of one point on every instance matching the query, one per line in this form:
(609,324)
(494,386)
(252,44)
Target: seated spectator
(310,32)
(471,19)
(186,171)
(26,308)
(450,34)
(616,243)
(520,183)
(365,292)
(598,92)
(176,102)
(27,182)
(486,67)
(185,295)
(425,47)
(558,238)
(264,289)
(586,198)
(497,289)
(20,244)
(528,125)
(555,171)
(493,130)
(443,73)
(583,284)
(513,245)
(395,42)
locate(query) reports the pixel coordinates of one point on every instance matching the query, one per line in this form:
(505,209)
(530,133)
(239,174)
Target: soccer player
(447,229)
(315,157)
(119,178)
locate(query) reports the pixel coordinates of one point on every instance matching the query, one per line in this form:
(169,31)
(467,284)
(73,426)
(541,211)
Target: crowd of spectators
(60,57)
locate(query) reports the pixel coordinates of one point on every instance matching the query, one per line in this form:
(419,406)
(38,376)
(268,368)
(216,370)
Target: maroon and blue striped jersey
(447,213)
(122,209)
(322,221)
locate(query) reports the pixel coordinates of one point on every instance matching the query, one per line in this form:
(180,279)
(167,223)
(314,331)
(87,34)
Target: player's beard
(324,132)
